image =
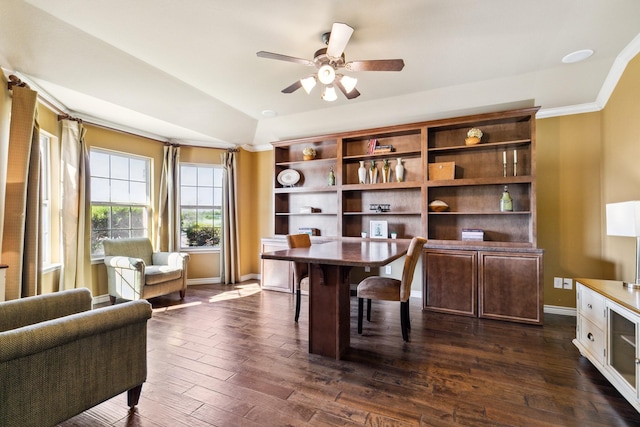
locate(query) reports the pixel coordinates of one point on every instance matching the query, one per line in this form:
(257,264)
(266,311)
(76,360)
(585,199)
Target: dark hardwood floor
(233,356)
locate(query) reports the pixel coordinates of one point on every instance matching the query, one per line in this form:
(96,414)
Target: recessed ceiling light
(577,56)
(269,113)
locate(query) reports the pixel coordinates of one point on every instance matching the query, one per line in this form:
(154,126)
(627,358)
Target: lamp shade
(623,219)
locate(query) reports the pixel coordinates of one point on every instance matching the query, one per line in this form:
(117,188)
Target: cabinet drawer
(592,338)
(592,306)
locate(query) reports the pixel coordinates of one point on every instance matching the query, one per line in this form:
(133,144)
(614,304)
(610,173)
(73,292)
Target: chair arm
(173,259)
(36,338)
(124,262)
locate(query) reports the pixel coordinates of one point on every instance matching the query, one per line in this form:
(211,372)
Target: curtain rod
(65,116)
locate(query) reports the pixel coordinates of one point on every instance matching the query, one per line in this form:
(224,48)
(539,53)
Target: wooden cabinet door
(450,281)
(510,286)
(276,275)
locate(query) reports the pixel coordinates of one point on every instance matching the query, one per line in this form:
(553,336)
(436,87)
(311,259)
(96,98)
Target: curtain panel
(76,207)
(229,247)
(21,246)
(168,207)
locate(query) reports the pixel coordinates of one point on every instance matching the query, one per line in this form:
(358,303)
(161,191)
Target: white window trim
(196,249)
(97,258)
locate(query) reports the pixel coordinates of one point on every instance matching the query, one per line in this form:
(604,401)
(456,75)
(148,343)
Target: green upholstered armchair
(135,272)
(58,357)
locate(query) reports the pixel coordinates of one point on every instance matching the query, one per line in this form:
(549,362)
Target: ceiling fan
(329,60)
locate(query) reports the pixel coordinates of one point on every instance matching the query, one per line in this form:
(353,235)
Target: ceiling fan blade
(340,35)
(376,65)
(350,95)
(270,55)
(295,86)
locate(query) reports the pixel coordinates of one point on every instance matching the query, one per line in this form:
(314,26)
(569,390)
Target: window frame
(46,203)
(214,207)
(146,206)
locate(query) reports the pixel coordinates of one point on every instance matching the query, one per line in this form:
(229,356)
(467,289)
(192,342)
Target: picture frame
(378,229)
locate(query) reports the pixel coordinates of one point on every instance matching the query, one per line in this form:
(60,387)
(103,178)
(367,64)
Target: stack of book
(383,149)
(472,234)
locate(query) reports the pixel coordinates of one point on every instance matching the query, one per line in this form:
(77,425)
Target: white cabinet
(276,275)
(608,332)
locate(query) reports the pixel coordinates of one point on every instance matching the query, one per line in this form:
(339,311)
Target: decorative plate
(288,177)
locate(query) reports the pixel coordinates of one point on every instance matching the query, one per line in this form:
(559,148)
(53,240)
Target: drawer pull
(590,336)
(589,306)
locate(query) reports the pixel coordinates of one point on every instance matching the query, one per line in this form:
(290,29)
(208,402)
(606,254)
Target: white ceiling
(187,70)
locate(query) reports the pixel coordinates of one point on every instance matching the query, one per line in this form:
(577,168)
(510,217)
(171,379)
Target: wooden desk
(329,307)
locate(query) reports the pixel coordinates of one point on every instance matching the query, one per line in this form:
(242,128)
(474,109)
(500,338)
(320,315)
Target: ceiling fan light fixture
(329,93)
(308,83)
(349,83)
(326,74)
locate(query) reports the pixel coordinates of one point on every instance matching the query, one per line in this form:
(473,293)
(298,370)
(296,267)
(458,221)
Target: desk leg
(329,310)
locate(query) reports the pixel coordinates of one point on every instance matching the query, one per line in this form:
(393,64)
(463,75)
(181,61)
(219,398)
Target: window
(120,202)
(200,205)
(45,202)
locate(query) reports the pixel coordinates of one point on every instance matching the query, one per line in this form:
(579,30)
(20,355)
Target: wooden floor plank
(233,356)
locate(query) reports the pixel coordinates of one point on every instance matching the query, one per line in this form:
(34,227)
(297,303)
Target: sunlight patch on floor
(238,291)
(177,306)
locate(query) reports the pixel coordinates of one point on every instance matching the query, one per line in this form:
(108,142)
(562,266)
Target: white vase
(362,173)
(399,170)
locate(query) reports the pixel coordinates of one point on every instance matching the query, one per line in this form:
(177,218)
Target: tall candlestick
(515,156)
(504,164)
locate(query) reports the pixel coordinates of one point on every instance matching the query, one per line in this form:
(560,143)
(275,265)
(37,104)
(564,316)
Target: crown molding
(591,107)
(257,148)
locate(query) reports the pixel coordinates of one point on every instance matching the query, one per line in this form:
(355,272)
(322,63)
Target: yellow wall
(621,165)
(256,189)
(569,171)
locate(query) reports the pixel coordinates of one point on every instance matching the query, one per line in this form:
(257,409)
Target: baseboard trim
(100,299)
(217,280)
(558,309)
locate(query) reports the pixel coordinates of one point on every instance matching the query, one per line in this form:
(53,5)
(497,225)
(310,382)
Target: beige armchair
(59,358)
(135,272)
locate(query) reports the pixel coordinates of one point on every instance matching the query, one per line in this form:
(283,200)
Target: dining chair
(300,269)
(390,289)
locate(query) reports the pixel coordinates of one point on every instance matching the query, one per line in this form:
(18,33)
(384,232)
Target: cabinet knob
(589,306)
(590,336)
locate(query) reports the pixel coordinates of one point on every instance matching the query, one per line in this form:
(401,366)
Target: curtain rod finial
(15,81)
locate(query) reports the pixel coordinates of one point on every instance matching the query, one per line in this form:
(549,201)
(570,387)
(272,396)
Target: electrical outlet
(387,269)
(567,283)
(367,269)
(557,282)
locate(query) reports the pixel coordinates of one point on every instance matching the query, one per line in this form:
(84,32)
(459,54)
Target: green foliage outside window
(115,222)
(201,227)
